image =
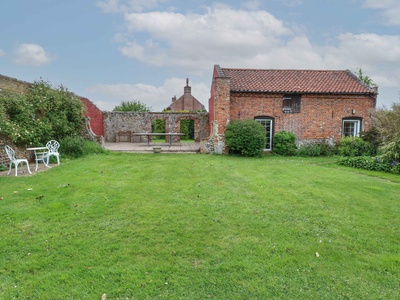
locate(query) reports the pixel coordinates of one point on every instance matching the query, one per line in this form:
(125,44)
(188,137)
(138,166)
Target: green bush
(315,149)
(284,143)
(373,137)
(355,146)
(42,114)
(391,151)
(370,163)
(76,146)
(245,137)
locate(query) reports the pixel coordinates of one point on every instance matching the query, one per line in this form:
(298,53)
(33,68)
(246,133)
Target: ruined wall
(95,115)
(141,123)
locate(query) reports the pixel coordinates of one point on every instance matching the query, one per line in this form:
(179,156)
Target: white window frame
(356,129)
(263,121)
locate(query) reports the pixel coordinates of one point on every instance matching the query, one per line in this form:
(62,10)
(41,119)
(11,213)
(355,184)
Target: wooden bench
(149,135)
(126,136)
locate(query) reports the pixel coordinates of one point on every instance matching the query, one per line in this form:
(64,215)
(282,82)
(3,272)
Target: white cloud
(251,39)
(156,97)
(390,10)
(193,40)
(32,55)
(2,53)
(377,55)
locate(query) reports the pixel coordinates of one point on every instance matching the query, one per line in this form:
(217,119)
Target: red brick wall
(220,101)
(95,115)
(320,116)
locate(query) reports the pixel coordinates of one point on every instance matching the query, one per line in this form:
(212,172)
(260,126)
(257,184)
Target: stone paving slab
(32,166)
(148,148)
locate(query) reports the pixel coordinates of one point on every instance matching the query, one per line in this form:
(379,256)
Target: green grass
(162,226)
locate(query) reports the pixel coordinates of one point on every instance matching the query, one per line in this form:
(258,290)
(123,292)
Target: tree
(387,122)
(367,80)
(132,106)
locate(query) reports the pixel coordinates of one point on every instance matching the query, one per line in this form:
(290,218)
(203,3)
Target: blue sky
(121,50)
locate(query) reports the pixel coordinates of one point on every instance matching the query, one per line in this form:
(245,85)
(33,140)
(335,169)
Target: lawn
(162,226)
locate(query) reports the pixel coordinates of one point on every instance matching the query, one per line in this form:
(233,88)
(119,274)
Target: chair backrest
(53,146)
(10,152)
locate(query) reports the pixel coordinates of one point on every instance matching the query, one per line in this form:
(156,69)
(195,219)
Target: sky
(143,50)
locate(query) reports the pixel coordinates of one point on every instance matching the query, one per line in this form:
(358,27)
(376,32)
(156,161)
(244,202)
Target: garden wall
(141,123)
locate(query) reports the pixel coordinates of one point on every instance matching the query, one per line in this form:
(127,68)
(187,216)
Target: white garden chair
(53,150)
(16,161)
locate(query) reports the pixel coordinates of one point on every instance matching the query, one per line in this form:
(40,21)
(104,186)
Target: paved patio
(148,148)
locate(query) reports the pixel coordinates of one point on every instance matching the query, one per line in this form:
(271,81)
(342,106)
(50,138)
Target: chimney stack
(187,89)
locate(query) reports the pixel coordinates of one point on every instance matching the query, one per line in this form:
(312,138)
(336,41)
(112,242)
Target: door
(268,125)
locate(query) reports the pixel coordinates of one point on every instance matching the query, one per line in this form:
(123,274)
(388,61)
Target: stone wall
(141,123)
(12,85)
(20,152)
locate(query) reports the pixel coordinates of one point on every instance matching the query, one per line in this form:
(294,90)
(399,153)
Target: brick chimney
(187,90)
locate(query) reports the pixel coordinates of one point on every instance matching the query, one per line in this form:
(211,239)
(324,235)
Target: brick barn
(315,105)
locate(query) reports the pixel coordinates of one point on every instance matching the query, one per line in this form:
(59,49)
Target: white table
(40,155)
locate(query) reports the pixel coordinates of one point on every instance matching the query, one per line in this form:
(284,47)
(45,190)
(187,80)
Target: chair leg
(9,171)
(58,159)
(27,166)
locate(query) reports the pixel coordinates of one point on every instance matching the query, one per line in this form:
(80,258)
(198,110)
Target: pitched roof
(294,81)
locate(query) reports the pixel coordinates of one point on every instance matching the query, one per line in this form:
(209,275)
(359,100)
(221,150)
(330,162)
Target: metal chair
(16,161)
(53,150)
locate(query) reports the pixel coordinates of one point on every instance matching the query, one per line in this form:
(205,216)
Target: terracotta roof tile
(295,81)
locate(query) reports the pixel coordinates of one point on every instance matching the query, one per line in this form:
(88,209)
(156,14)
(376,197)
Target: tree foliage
(246,137)
(42,114)
(387,122)
(132,106)
(366,79)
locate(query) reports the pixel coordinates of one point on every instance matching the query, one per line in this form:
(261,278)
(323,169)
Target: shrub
(370,163)
(76,146)
(355,146)
(284,143)
(373,137)
(315,149)
(391,151)
(246,137)
(42,114)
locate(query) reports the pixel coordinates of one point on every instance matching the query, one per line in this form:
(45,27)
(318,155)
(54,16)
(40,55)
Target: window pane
(351,127)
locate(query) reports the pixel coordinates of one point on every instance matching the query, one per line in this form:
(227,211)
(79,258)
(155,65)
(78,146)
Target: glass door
(267,123)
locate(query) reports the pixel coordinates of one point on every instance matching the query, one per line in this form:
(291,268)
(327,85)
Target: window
(268,125)
(291,104)
(351,127)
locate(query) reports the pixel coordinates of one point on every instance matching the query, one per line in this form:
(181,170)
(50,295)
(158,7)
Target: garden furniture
(53,150)
(41,154)
(16,161)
